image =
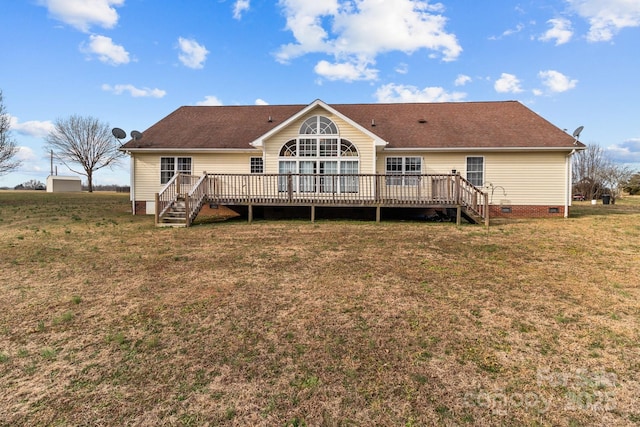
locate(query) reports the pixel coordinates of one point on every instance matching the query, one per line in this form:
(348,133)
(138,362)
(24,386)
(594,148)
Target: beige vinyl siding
(528,178)
(147,168)
(363,143)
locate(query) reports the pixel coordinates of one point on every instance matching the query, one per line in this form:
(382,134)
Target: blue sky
(132,62)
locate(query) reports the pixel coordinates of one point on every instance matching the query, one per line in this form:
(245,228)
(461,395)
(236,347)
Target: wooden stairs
(176,215)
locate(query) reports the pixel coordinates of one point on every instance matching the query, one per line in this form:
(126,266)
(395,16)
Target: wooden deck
(188,193)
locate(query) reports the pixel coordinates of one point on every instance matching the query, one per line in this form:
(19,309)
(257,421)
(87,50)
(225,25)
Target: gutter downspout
(132,179)
(567,183)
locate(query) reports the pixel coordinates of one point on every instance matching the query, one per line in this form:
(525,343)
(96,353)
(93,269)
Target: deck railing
(323,189)
(343,189)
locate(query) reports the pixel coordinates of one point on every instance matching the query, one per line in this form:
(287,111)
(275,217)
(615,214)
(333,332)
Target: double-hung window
(399,170)
(475,170)
(169,166)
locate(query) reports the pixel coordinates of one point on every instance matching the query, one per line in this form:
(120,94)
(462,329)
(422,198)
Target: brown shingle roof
(507,124)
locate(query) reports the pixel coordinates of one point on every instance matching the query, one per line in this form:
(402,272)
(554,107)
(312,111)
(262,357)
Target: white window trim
(175,166)
(401,179)
(251,159)
(466,167)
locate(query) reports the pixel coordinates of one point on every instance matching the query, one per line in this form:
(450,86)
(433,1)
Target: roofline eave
(191,150)
(449,149)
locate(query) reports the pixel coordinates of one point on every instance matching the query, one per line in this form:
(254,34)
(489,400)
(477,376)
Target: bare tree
(83,141)
(587,167)
(8,148)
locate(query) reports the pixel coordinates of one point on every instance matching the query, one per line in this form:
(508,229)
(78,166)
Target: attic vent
(373,122)
(270,119)
(422,121)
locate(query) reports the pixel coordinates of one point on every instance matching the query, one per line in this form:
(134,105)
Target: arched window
(318,125)
(289,149)
(320,156)
(347,149)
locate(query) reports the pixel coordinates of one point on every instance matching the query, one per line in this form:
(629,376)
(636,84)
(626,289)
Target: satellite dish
(118,133)
(136,135)
(576,133)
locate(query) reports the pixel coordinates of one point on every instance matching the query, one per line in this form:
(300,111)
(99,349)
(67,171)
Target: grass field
(107,320)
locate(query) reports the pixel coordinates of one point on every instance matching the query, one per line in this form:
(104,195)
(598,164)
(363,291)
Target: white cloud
(556,82)
(462,80)
(508,32)
(560,31)
(210,100)
(347,71)
(507,83)
(240,7)
(625,152)
(356,32)
(82,14)
(106,50)
(260,101)
(35,128)
(134,91)
(607,17)
(192,54)
(26,154)
(402,68)
(406,93)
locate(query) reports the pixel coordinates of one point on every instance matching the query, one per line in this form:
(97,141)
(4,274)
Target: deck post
(187,214)
(250,213)
(378,213)
(313,213)
(458,215)
(486,211)
(157,205)
(290,187)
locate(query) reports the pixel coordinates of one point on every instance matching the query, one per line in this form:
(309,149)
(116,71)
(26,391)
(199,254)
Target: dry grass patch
(105,319)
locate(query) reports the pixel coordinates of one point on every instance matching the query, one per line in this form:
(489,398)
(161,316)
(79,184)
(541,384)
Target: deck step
(176,216)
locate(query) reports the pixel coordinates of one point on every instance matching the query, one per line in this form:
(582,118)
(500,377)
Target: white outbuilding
(63,184)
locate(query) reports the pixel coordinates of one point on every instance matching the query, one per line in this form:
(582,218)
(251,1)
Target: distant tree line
(111,187)
(34,184)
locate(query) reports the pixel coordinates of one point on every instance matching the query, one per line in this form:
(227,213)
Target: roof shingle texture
(458,125)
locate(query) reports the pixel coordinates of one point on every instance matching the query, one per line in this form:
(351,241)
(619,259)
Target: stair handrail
(166,196)
(196,196)
(473,198)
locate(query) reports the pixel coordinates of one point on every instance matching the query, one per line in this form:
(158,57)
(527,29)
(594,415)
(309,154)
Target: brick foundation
(531,211)
(139,208)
